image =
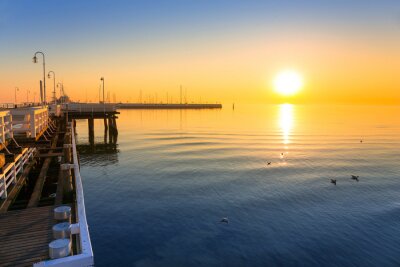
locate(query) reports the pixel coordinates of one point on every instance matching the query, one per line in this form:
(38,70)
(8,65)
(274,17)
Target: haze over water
(159,200)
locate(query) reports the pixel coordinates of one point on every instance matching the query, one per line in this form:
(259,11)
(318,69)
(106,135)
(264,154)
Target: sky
(218,50)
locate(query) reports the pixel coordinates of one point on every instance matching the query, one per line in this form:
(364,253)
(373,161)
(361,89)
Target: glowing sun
(288,83)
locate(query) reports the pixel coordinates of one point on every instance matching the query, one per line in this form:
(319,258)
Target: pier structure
(30,122)
(167,106)
(91,111)
(6,132)
(39,175)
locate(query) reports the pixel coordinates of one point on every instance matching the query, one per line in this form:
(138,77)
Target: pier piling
(91,131)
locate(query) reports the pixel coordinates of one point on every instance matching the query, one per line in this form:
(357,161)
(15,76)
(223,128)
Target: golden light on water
(286,121)
(288,83)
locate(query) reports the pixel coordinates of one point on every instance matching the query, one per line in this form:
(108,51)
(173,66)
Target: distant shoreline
(168,106)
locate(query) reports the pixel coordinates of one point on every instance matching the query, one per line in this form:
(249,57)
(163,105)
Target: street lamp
(59,85)
(54,87)
(35,60)
(102,79)
(15,94)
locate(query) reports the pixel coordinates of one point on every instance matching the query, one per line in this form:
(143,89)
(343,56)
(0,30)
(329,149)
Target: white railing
(30,121)
(6,131)
(12,169)
(84,257)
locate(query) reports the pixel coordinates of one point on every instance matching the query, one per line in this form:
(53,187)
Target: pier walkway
(39,171)
(25,235)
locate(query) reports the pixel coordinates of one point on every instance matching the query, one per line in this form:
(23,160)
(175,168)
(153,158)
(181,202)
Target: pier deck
(25,235)
(39,171)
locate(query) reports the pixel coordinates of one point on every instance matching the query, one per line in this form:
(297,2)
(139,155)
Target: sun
(288,83)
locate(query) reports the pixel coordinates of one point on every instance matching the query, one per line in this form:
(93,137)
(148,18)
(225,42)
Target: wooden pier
(39,170)
(25,235)
(90,112)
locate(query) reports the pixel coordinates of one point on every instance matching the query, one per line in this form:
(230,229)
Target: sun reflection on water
(286,121)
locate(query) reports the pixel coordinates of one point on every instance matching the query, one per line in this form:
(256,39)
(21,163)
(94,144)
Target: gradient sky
(228,51)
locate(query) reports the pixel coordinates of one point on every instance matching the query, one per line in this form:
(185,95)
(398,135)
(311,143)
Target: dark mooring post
(105,124)
(113,130)
(105,136)
(74,124)
(115,125)
(110,130)
(105,130)
(91,131)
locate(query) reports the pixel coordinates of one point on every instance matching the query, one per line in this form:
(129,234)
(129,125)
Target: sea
(156,196)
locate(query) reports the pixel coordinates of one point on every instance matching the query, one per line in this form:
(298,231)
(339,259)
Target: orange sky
(355,66)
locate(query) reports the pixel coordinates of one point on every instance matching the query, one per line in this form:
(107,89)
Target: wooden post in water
(110,128)
(105,136)
(105,123)
(115,125)
(105,130)
(114,130)
(74,123)
(91,131)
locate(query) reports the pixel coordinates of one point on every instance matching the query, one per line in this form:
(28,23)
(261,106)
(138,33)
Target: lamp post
(60,86)
(102,79)
(15,94)
(35,60)
(54,84)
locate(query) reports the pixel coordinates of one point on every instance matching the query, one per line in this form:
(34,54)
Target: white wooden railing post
(3,186)
(10,126)
(2,133)
(39,122)
(14,170)
(23,156)
(32,124)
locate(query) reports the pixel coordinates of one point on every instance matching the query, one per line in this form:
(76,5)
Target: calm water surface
(158,200)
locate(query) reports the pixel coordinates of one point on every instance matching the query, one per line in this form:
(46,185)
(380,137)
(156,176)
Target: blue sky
(60,22)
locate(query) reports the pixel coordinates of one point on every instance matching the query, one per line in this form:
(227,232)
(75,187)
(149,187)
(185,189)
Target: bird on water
(355,177)
(269,163)
(224,220)
(333,181)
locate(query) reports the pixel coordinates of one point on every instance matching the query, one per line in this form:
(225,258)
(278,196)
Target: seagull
(355,177)
(224,220)
(333,181)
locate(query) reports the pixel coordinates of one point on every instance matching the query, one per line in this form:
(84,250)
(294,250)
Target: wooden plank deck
(25,235)
(37,191)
